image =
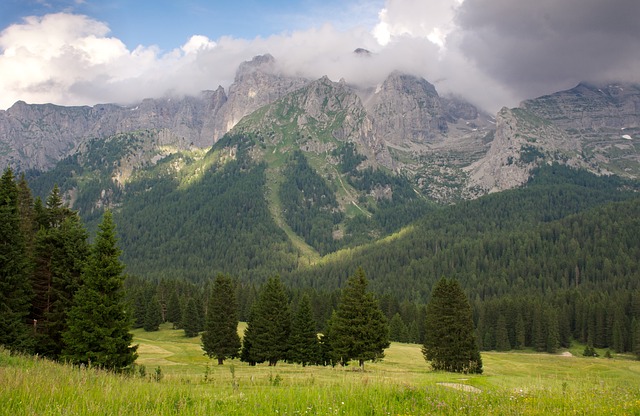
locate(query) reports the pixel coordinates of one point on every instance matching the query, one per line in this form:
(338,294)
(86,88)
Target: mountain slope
(507,242)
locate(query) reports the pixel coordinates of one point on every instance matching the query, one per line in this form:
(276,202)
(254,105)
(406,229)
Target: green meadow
(176,378)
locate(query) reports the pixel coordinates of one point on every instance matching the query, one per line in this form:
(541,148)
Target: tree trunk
(362,365)
(220,361)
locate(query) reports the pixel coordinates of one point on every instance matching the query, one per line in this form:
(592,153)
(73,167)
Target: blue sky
(494,53)
(170,23)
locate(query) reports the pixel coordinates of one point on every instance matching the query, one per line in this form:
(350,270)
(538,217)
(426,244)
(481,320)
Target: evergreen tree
(220,339)
(271,324)
(152,316)
(174,312)
(61,253)
(398,330)
(358,330)
(15,288)
(98,323)
(450,343)
(26,210)
(502,334)
(520,332)
(303,342)
(246,354)
(191,318)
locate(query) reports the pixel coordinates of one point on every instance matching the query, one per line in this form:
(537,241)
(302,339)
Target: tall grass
(401,384)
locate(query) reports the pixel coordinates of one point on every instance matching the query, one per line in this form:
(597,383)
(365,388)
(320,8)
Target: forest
(545,264)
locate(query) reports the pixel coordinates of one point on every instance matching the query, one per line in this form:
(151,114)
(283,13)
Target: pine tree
(246,354)
(26,210)
(152,316)
(60,253)
(220,339)
(502,334)
(450,343)
(60,250)
(303,342)
(174,313)
(358,330)
(15,288)
(398,330)
(98,324)
(191,318)
(271,324)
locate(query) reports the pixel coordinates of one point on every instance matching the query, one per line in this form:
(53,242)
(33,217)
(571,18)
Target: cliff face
(257,83)
(590,107)
(521,142)
(38,136)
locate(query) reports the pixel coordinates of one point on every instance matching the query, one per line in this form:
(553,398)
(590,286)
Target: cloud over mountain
(493,52)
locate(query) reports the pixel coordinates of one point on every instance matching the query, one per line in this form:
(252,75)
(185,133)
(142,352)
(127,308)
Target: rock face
(522,141)
(38,136)
(407,108)
(591,127)
(257,83)
(590,107)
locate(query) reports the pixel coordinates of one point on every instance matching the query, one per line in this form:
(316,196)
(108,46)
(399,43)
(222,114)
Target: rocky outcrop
(522,142)
(407,108)
(590,106)
(38,136)
(257,83)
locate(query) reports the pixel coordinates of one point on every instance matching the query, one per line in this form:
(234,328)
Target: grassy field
(401,384)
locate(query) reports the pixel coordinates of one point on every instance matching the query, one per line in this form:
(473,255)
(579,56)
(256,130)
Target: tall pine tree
(270,325)
(15,288)
(358,330)
(303,342)
(98,324)
(220,339)
(192,318)
(60,253)
(450,344)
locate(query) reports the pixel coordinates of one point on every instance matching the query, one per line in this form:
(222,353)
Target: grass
(402,384)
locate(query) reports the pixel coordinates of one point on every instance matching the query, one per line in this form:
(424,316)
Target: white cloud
(72,59)
(197,43)
(431,19)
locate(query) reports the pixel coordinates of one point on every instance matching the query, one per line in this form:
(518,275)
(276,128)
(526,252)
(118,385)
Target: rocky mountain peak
(257,84)
(259,63)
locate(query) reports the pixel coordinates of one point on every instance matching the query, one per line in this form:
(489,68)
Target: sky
(494,53)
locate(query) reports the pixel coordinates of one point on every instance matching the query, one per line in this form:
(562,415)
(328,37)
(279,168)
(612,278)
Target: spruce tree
(15,287)
(98,323)
(61,253)
(191,318)
(153,315)
(220,339)
(398,330)
(358,330)
(303,342)
(502,334)
(174,312)
(246,354)
(450,344)
(271,324)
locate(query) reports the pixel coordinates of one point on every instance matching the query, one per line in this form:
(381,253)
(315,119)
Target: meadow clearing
(179,379)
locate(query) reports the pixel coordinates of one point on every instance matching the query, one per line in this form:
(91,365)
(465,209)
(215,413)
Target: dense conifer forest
(542,265)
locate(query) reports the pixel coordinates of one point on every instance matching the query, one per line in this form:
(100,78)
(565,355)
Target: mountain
(37,136)
(316,166)
(589,126)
